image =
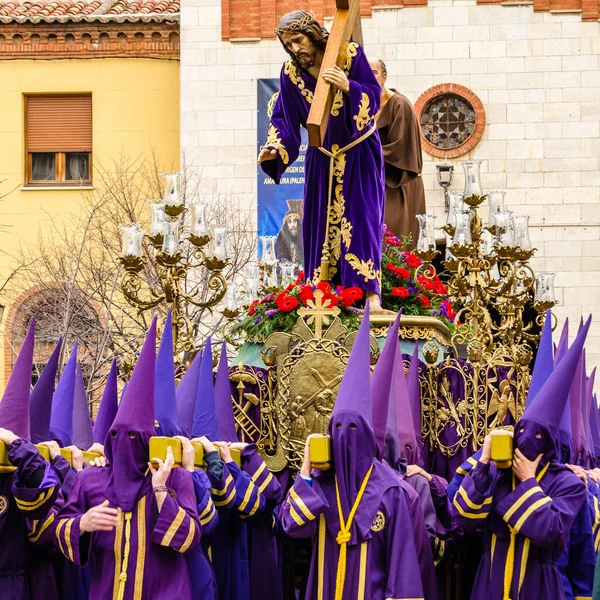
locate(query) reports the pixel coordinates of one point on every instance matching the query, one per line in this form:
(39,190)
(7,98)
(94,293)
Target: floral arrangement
(402,288)
(277,308)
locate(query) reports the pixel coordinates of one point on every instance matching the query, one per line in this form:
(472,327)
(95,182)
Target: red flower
(301,276)
(306,294)
(324,286)
(400,271)
(438,287)
(400,292)
(411,260)
(350,295)
(286,303)
(333,301)
(426,283)
(252,309)
(425,301)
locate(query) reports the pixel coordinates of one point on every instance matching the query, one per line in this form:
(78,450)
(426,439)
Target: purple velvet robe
(27,493)
(357,185)
(381,560)
(145,552)
(540,514)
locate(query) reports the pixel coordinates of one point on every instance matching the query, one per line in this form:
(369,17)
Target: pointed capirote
(414,392)
(382,383)
(186,395)
(165,395)
(61,416)
(14,406)
(544,360)
(223,400)
(83,435)
(108,406)
(563,342)
(205,416)
(40,401)
(547,407)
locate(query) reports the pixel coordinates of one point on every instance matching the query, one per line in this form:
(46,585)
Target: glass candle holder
(426,240)
(132,239)
(487,242)
(157,217)
(219,245)
(462,233)
(504,231)
(544,288)
(171,195)
(268,249)
(473,185)
(455,202)
(170,243)
(230,303)
(288,271)
(198,224)
(521,231)
(496,202)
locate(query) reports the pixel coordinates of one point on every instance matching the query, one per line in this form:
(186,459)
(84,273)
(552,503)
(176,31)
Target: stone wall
(536,73)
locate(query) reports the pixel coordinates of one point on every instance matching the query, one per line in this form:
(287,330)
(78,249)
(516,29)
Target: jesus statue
(344,179)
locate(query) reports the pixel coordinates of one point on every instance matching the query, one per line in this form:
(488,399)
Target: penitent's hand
(224,451)
(160,475)
(267,154)
(53,447)
(337,78)
(76,457)
(523,468)
(417,470)
(99,518)
(206,444)
(486,453)
(6,436)
(306,469)
(187,453)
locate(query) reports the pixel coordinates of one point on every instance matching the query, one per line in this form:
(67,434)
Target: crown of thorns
(296,25)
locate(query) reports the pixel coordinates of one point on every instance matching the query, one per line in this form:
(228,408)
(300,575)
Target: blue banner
(280,207)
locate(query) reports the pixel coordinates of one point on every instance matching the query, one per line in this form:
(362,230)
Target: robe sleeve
(443,509)
(543,519)
(304,503)
(473,500)
(460,474)
(421,486)
(581,556)
(364,95)
(262,478)
(177,525)
(35,485)
(404,571)
(284,130)
(205,507)
(67,537)
(223,488)
(595,518)
(248,500)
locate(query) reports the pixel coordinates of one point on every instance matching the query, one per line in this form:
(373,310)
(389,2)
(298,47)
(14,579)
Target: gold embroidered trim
(274,140)
(289,69)
(338,99)
(363,118)
(138,585)
(364,268)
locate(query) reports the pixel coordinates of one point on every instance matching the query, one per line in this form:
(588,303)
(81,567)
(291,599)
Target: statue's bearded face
(293,226)
(302,47)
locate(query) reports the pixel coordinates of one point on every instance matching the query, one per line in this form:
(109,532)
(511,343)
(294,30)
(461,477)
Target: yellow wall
(135,105)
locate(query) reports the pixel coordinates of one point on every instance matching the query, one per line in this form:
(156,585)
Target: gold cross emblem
(319,313)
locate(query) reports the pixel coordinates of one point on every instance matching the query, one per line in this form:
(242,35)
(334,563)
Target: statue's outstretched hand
(267,154)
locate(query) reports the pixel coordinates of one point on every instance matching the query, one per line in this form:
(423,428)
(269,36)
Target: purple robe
(145,552)
(27,493)
(540,513)
(381,557)
(357,179)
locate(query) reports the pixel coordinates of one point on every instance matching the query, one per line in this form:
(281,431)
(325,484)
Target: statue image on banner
(344,189)
(288,246)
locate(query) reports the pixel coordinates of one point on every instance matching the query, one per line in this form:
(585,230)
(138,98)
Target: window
(452,120)
(58,140)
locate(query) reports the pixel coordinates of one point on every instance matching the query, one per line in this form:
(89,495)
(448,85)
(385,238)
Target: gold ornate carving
(271,104)
(274,140)
(363,118)
(378,522)
(3,504)
(290,70)
(319,313)
(364,268)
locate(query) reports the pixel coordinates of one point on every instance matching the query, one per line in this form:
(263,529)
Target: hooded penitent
(83,436)
(544,360)
(382,388)
(595,418)
(350,426)
(40,401)
(108,406)
(165,397)
(14,407)
(414,396)
(186,395)
(61,417)
(205,418)
(577,400)
(589,419)
(224,407)
(536,432)
(563,343)
(127,443)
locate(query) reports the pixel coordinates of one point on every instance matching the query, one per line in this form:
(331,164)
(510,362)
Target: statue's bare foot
(375,305)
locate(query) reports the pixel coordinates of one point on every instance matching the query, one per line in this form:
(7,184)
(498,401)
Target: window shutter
(59,123)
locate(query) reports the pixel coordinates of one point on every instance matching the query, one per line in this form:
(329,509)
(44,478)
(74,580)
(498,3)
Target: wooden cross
(319,313)
(346,26)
